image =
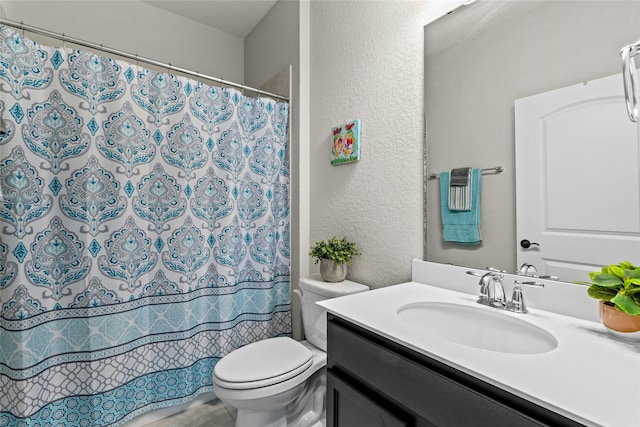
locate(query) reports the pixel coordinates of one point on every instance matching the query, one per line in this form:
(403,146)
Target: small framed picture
(346,143)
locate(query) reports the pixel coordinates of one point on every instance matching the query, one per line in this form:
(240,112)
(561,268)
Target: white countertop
(590,377)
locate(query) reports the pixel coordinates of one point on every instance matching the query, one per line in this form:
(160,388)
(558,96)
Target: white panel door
(578,179)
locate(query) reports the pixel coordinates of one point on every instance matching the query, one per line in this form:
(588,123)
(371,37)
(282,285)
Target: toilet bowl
(281,382)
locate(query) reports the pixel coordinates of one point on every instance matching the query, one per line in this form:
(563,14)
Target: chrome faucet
(530,270)
(527,269)
(491,288)
(492,291)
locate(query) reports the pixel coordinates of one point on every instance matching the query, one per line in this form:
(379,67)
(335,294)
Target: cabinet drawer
(432,390)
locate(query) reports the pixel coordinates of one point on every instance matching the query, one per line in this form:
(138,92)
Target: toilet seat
(278,359)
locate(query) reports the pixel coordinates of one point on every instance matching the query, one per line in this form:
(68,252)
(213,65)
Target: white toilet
(281,382)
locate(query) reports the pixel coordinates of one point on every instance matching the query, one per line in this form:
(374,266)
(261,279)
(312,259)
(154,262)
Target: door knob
(527,244)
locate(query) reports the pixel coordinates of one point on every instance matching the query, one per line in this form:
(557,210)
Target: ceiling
(237,17)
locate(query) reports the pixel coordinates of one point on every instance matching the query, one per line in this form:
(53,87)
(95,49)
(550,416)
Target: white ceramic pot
(332,272)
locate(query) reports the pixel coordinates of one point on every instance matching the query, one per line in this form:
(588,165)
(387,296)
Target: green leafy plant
(618,285)
(339,250)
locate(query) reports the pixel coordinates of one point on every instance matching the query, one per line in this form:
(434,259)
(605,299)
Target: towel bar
(485,171)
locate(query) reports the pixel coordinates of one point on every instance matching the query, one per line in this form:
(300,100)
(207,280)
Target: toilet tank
(314,317)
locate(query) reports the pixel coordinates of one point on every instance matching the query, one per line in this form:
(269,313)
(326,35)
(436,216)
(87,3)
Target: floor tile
(209,414)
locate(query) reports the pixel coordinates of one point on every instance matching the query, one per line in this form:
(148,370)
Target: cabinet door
(348,407)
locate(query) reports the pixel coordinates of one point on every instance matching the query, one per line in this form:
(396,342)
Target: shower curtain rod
(168,66)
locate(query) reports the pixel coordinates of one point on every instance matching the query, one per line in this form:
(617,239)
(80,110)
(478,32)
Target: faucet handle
(489,282)
(495,270)
(547,277)
(533,284)
(474,273)
(517,304)
(483,283)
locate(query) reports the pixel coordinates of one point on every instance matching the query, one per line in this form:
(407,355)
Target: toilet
(279,382)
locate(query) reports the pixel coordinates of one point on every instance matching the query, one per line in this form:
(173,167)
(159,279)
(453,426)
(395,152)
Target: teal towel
(461,226)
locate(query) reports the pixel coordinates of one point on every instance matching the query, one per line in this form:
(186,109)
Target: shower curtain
(144,234)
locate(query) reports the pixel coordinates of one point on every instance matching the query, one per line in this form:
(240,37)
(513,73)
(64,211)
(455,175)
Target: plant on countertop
(617,285)
(338,250)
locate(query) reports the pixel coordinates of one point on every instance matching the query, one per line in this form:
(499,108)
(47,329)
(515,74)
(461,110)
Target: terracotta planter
(620,324)
(332,272)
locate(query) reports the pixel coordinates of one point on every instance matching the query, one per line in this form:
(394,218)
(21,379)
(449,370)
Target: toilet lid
(263,363)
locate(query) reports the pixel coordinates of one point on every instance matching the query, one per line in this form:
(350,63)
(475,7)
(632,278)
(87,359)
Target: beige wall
(367,64)
(470,88)
(272,46)
(138,28)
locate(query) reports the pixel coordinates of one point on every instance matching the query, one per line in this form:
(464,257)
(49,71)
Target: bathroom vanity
(373,381)
(388,369)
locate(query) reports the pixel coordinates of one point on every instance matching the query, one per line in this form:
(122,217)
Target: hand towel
(461,226)
(459,176)
(460,189)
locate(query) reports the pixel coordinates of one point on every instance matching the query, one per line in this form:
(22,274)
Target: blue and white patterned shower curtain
(145,234)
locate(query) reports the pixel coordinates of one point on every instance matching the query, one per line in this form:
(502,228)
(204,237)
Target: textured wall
(139,28)
(367,64)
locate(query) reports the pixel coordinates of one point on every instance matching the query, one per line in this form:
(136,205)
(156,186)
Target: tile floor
(209,414)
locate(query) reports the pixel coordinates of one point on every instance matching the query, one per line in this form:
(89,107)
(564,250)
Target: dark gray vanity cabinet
(372,381)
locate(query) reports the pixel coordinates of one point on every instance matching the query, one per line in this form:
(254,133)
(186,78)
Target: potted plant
(334,256)
(617,286)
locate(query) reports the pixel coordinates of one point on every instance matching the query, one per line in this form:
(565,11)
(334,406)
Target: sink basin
(477,327)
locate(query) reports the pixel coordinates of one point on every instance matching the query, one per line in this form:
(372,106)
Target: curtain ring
(197,76)
(64,41)
(22,26)
(137,63)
